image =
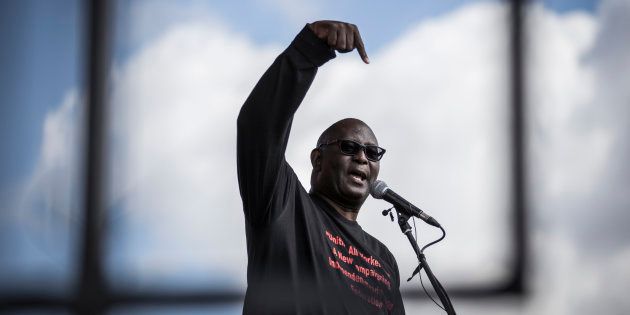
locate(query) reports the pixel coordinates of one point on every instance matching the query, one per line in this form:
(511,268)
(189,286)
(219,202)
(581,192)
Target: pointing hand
(341,36)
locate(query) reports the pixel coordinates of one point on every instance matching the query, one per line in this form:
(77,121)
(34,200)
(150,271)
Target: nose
(360,157)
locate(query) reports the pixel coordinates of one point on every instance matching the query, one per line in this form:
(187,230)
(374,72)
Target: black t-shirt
(304,257)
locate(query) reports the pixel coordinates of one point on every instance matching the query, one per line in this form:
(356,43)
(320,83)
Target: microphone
(379,190)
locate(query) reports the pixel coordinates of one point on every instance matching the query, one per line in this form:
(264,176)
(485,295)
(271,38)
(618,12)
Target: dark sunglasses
(350,147)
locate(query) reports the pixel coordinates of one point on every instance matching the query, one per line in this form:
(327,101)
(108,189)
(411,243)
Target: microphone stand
(405,228)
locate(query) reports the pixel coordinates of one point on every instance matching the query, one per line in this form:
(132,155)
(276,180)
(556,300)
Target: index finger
(360,46)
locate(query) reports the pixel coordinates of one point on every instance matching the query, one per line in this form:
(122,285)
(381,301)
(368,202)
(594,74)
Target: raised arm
(265,119)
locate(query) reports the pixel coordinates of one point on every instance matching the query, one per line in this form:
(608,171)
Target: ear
(316,159)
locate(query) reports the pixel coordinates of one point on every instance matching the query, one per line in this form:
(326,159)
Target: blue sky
(266,22)
(41,61)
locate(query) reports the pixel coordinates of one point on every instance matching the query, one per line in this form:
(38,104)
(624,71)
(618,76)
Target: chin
(354,193)
(355,198)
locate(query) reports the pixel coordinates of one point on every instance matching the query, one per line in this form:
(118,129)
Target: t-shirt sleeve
(264,123)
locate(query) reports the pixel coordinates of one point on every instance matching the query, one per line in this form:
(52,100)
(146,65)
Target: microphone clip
(388,211)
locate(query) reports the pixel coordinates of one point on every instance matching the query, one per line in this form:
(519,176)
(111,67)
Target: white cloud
(175,105)
(444,147)
(579,122)
(560,82)
(52,191)
(573,281)
(40,215)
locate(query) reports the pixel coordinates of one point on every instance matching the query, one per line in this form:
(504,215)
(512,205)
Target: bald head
(341,129)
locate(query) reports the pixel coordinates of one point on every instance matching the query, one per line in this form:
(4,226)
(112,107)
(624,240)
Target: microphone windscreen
(378,189)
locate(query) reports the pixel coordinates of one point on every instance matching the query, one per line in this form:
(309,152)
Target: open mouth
(358,175)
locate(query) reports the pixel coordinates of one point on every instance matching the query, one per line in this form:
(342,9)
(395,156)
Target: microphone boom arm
(405,228)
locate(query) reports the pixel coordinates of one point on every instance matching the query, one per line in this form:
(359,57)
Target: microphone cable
(447,306)
(419,262)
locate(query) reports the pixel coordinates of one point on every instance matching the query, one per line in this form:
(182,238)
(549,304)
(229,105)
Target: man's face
(343,178)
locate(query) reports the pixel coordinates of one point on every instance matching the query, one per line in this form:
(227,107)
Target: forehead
(357,132)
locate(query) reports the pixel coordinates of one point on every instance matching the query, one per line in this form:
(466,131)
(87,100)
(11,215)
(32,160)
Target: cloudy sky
(436,94)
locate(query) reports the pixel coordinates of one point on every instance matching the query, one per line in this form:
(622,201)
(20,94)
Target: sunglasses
(372,152)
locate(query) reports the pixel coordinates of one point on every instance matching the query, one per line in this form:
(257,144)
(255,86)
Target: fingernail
(367,59)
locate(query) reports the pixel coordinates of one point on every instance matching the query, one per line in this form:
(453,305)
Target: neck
(348,213)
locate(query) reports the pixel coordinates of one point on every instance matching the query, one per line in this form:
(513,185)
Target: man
(307,254)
